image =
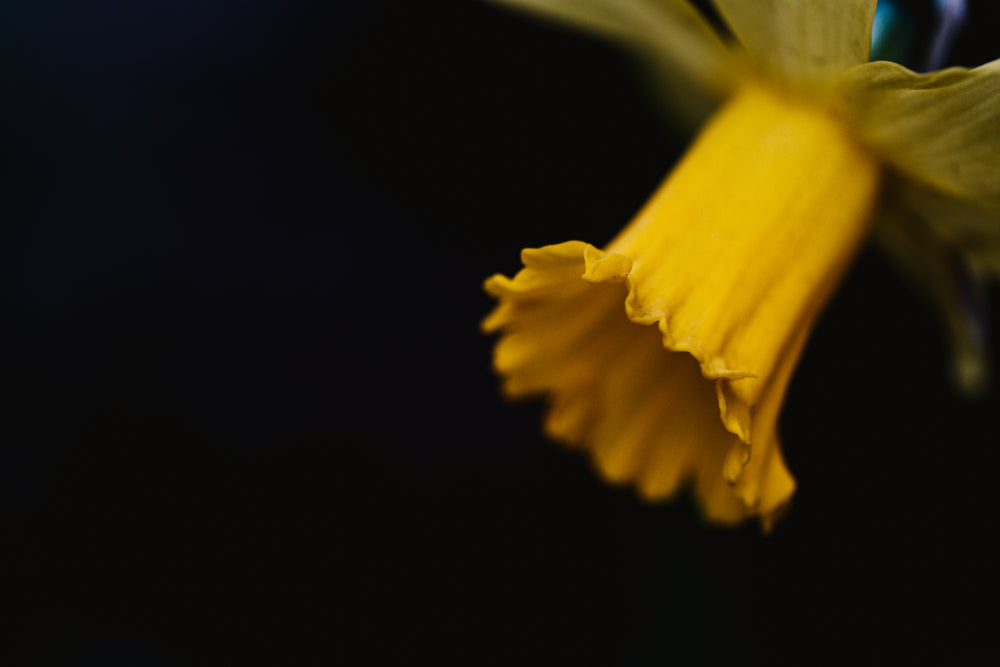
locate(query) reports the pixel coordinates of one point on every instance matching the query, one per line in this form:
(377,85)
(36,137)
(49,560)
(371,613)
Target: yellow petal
(690,64)
(732,259)
(942,129)
(645,414)
(803,42)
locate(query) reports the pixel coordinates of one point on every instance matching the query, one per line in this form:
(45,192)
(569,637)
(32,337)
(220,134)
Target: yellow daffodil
(808,150)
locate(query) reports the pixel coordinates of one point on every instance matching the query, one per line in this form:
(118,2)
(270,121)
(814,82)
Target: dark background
(251,420)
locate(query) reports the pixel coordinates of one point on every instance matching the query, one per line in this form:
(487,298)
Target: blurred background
(250,416)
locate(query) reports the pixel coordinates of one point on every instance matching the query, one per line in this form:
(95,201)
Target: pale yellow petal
(971,225)
(941,129)
(944,269)
(802,42)
(689,63)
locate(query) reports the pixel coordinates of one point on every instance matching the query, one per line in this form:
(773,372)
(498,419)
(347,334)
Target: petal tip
(603,267)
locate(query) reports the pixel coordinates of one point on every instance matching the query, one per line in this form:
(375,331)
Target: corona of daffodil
(666,354)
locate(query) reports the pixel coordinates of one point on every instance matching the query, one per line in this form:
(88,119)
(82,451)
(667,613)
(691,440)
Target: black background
(250,417)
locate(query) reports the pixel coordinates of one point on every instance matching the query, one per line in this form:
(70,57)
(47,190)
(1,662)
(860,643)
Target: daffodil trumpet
(667,353)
